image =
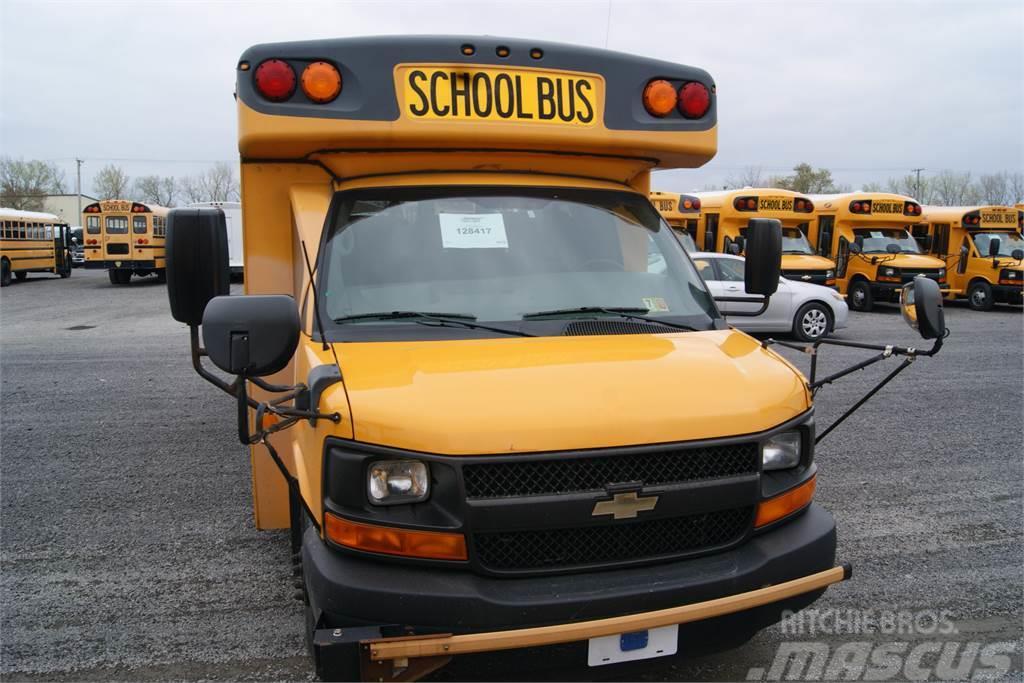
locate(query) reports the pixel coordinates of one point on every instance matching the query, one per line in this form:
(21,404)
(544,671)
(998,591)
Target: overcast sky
(868,89)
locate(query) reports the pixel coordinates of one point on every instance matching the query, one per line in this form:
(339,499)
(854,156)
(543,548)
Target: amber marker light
(372,538)
(321,82)
(795,499)
(659,98)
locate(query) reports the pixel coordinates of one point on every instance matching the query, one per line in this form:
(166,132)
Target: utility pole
(78,185)
(917,191)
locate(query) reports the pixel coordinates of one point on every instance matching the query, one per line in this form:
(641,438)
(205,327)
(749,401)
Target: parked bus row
(865,244)
(33,242)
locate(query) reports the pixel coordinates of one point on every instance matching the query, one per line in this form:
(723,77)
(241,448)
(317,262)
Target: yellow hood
(558,393)
(910,261)
(806,262)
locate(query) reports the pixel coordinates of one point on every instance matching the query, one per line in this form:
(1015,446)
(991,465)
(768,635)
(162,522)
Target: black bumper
(1008,294)
(125,265)
(890,291)
(352,591)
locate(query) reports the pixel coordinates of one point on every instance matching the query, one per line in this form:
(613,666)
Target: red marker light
(696,203)
(687,204)
(275,80)
(751,203)
(694,100)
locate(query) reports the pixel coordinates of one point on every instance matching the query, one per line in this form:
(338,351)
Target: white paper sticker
(473,231)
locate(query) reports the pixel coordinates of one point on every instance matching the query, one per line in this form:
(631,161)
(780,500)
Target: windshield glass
(688,244)
(795,242)
(499,254)
(1008,242)
(877,240)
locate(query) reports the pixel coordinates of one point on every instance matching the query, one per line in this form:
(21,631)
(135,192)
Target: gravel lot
(127,548)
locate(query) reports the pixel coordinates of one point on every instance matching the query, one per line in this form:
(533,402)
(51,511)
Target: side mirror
(197,261)
(855,248)
(963,250)
(926,242)
(251,336)
(763,265)
(993,247)
(921,304)
(893,248)
(734,249)
(1017,254)
(740,243)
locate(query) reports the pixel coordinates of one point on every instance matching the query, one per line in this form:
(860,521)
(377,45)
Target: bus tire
(65,271)
(812,322)
(161,275)
(979,296)
(5,272)
(858,296)
(22,275)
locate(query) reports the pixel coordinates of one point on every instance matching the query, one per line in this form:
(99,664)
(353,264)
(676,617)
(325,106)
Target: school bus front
(723,223)
(982,248)
(868,236)
(528,423)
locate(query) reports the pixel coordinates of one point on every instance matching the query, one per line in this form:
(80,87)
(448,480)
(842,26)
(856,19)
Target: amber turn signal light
(776,508)
(659,98)
(394,541)
(321,82)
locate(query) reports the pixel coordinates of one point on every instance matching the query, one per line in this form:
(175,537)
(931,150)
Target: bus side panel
(270,269)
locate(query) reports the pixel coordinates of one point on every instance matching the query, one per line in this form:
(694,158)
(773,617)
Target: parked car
(808,312)
(77,247)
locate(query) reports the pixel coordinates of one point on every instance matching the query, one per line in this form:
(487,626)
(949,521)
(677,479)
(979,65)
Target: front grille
(813,276)
(908,275)
(592,473)
(611,543)
(585,328)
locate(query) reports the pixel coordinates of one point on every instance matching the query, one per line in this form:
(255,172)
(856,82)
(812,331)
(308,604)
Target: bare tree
(111,183)
(954,189)
(750,176)
(994,189)
(25,184)
(156,190)
(908,186)
(1016,191)
(217,184)
(872,187)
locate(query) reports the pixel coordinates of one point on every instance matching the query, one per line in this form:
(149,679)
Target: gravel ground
(127,548)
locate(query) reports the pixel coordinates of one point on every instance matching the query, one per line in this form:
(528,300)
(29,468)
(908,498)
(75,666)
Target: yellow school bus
(982,249)
(681,212)
(723,222)
(125,238)
(484,385)
(867,233)
(32,242)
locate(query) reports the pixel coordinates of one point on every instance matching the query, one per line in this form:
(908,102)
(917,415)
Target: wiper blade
(434,319)
(397,315)
(631,312)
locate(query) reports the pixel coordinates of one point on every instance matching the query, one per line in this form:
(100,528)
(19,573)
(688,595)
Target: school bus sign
(458,93)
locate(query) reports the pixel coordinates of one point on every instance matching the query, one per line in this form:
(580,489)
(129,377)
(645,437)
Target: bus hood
(909,261)
(806,262)
(559,393)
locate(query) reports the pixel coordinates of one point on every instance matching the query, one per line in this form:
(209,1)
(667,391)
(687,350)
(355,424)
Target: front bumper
(1008,294)
(350,593)
(890,291)
(121,264)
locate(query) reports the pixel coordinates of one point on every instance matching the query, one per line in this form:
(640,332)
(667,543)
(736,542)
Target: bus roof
(990,215)
(18,214)
(124,206)
(401,95)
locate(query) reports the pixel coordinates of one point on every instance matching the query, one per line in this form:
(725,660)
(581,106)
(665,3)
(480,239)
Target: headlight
(830,274)
(781,451)
(889,272)
(391,482)
(942,272)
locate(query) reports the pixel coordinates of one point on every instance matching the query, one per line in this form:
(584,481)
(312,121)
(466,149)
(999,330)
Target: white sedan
(808,312)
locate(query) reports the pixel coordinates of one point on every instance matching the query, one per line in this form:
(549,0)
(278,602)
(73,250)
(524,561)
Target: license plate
(461,93)
(630,647)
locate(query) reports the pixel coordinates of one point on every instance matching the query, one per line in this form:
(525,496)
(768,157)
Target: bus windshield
(794,241)
(499,254)
(688,244)
(877,240)
(1008,242)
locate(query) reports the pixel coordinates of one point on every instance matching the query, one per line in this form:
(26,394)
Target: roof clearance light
(694,100)
(696,203)
(751,203)
(659,98)
(687,204)
(321,82)
(275,80)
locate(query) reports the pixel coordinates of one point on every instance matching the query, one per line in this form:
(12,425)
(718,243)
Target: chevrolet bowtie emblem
(624,505)
(805,277)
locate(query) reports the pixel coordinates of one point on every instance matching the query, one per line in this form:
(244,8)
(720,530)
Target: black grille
(908,275)
(614,542)
(583,328)
(568,474)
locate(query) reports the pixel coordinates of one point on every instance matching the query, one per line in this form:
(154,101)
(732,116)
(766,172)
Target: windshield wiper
(631,312)
(438,319)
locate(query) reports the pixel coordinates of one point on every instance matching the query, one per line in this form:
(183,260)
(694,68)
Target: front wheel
(979,296)
(859,296)
(812,322)
(161,275)
(5,272)
(22,275)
